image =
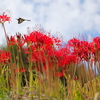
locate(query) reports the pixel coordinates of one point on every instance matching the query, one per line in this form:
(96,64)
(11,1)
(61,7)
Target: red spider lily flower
(64,57)
(56,41)
(67,60)
(4,57)
(96,42)
(40,45)
(38,39)
(16,40)
(74,43)
(11,40)
(4,17)
(19,40)
(82,49)
(96,48)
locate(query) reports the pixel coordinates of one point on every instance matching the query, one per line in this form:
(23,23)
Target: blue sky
(64,18)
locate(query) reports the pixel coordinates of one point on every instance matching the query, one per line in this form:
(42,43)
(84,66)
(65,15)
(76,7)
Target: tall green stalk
(30,73)
(5,33)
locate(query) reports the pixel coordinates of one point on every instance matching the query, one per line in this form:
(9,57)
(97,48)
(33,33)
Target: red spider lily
(40,43)
(20,40)
(96,48)
(56,41)
(11,40)
(38,39)
(4,18)
(4,57)
(82,49)
(67,60)
(16,40)
(74,43)
(96,42)
(64,57)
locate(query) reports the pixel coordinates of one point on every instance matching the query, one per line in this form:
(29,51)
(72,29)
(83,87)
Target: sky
(63,18)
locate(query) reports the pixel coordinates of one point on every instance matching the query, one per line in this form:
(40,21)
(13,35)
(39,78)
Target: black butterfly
(20,20)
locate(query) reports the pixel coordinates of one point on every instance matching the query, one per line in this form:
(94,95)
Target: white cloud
(69,17)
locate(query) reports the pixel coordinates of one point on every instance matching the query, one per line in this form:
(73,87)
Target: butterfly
(20,20)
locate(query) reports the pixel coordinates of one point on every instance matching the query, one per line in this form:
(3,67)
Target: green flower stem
(5,33)
(30,73)
(7,77)
(18,80)
(18,76)
(30,80)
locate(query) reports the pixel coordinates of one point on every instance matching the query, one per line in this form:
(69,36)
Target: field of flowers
(38,66)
